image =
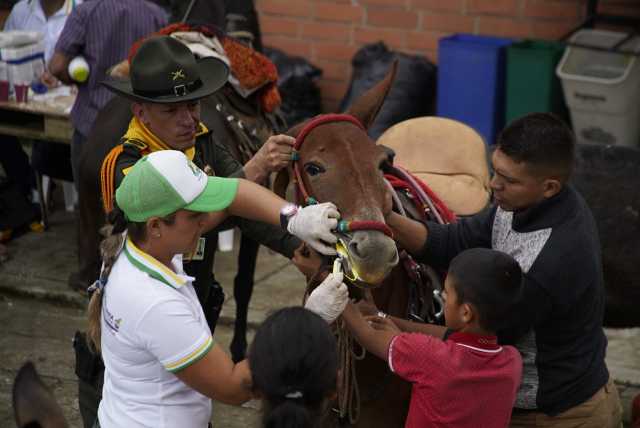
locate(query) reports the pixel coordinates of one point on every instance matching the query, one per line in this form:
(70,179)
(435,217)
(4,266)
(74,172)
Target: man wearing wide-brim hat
(166,83)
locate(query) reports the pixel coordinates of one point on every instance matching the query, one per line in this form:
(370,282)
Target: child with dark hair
(461,377)
(294,366)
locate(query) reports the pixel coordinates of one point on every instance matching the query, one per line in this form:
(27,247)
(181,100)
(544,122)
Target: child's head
(482,287)
(294,364)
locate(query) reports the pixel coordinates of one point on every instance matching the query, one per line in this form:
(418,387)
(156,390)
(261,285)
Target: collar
(548,213)
(65,10)
(476,342)
(138,131)
(155,269)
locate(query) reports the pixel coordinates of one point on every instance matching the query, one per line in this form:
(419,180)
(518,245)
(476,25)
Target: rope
(107,177)
(348,390)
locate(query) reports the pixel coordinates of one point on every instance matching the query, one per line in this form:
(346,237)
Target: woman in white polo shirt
(162,366)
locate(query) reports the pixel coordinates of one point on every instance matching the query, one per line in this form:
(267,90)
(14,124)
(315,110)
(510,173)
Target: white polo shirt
(28,15)
(152,327)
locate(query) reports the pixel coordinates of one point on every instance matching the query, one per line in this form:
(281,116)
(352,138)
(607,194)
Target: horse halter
(344,226)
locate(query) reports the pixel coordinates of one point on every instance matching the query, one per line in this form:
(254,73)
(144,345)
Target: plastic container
(532,84)
(471,71)
(602,88)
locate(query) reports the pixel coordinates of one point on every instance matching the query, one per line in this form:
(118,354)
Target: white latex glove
(313,224)
(330,298)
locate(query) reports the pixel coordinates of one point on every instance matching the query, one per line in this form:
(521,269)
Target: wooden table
(45,119)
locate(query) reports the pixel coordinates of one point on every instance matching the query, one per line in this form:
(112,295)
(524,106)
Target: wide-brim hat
(164,70)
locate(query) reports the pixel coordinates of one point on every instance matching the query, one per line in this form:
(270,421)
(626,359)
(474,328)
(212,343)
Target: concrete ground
(39,314)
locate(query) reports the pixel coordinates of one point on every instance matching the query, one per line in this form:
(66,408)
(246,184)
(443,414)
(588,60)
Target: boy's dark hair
(294,365)
(489,280)
(543,141)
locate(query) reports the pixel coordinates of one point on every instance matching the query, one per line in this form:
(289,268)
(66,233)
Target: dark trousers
(78,142)
(15,162)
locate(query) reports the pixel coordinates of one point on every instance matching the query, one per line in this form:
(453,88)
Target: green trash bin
(532,84)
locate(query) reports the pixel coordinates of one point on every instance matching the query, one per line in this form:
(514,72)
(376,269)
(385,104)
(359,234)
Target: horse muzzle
(367,257)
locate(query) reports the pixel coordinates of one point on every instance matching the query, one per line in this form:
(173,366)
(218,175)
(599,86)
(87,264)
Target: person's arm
(443,242)
(410,234)
(274,155)
(70,44)
(375,341)
(59,66)
(216,376)
(417,327)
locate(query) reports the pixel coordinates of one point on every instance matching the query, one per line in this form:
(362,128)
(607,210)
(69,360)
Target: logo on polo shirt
(111,322)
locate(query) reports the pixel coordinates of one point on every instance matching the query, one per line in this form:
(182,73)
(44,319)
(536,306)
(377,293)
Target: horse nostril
(353,248)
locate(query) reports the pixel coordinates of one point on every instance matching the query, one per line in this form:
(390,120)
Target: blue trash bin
(471,81)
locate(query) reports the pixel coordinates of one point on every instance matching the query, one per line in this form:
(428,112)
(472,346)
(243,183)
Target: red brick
(334,70)
(448,22)
(279,26)
(505,27)
(552,9)
(552,30)
(439,5)
(291,46)
(286,8)
(333,51)
(388,3)
(493,7)
(339,12)
(393,38)
(326,31)
(424,41)
(394,18)
(333,89)
(632,9)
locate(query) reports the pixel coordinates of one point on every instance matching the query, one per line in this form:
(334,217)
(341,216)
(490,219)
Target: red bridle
(344,226)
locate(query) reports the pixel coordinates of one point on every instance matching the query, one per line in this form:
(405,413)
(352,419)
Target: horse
(338,162)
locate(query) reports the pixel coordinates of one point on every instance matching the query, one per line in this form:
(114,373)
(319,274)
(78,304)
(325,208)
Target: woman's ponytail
(109,249)
(289,413)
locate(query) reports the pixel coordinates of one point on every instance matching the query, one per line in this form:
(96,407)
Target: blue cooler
(471,81)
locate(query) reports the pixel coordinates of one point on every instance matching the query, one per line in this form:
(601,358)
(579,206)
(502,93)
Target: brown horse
(341,164)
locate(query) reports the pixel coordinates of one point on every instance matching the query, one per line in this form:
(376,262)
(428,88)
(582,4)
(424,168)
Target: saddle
(447,155)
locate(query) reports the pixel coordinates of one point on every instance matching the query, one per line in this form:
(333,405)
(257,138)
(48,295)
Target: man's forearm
(417,327)
(254,172)
(58,66)
(410,234)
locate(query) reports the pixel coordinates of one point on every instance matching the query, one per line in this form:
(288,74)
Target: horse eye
(313,169)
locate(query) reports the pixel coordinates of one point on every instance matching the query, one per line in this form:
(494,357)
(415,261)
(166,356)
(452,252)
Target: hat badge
(178,74)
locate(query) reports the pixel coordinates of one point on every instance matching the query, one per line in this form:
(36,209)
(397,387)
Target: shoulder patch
(140,145)
(125,171)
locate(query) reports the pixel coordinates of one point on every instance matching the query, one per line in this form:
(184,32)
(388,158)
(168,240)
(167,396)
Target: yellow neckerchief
(138,131)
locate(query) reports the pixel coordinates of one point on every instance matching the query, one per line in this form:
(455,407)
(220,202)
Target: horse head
(338,162)
(34,405)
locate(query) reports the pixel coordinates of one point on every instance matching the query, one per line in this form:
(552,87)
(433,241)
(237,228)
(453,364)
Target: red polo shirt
(463,381)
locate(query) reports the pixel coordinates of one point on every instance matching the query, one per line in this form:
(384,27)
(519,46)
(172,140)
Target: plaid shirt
(102,31)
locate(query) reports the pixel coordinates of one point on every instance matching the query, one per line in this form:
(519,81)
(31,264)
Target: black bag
(16,211)
(296,83)
(412,93)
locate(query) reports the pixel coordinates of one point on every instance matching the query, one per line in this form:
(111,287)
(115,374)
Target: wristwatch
(286,213)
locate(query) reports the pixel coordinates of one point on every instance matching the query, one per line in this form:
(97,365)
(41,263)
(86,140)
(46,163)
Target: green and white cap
(166,181)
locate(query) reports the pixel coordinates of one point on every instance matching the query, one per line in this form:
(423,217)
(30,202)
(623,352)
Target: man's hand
(306,260)
(313,224)
(383,324)
(330,298)
(274,155)
(49,80)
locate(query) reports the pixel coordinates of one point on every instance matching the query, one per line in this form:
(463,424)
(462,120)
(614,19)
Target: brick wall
(328,33)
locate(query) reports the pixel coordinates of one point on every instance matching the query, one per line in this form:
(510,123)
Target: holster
(89,365)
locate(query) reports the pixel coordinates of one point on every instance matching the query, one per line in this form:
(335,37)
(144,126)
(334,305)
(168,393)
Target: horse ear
(33,403)
(281,183)
(367,106)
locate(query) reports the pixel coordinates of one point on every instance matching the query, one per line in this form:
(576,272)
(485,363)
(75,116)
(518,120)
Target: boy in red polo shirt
(461,377)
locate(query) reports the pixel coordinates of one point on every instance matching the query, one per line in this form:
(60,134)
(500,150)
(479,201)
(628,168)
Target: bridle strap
(343,226)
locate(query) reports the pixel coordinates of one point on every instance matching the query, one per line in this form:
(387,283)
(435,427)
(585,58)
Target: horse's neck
(392,296)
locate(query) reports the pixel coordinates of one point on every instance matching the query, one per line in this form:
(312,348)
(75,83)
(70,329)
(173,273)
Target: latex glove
(313,224)
(330,298)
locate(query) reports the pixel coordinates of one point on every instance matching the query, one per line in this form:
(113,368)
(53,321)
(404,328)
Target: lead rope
(348,389)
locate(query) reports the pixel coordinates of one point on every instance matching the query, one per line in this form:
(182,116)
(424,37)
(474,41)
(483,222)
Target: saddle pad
(449,156)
